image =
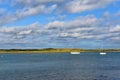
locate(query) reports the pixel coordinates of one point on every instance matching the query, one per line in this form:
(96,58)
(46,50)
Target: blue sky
(28,24)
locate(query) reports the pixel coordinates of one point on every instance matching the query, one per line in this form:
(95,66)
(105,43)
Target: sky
(34,24)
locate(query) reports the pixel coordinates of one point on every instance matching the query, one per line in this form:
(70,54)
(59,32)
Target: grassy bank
(50,50)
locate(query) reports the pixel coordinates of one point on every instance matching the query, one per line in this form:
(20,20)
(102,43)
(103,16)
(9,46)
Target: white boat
(74,52)
(103,53)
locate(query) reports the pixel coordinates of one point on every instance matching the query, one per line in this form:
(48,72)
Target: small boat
(103,53)
(74,52)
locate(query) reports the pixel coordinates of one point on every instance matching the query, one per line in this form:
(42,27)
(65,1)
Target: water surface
(86,66)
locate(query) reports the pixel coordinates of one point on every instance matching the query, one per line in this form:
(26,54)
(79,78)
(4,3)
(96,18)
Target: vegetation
(55,50)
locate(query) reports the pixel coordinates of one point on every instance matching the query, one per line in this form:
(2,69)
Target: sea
(60,66)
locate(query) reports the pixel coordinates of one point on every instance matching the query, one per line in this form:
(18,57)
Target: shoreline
(55,50)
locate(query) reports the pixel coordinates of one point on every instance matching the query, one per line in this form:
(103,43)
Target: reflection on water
(86,66)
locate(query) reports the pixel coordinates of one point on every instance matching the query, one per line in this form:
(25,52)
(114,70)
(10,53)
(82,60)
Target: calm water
(86,66)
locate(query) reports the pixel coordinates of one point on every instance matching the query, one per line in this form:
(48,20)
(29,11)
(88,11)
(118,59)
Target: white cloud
(30,11)
(84,29)
(115,29)
(82,21)
(76,6)
(25,32)
(35,11)
(81,28)
(19,33)
(54,25)
(7,30)
(31,3)
(61,21)
(26,8)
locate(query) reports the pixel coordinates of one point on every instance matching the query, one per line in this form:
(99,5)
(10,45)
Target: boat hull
(74,52)
(103,53)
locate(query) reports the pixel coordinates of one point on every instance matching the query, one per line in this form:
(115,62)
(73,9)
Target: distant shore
(56,50)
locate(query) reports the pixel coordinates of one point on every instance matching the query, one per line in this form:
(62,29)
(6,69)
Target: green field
(50,50)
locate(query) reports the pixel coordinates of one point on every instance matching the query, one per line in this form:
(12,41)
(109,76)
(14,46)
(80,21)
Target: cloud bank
(69,21)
